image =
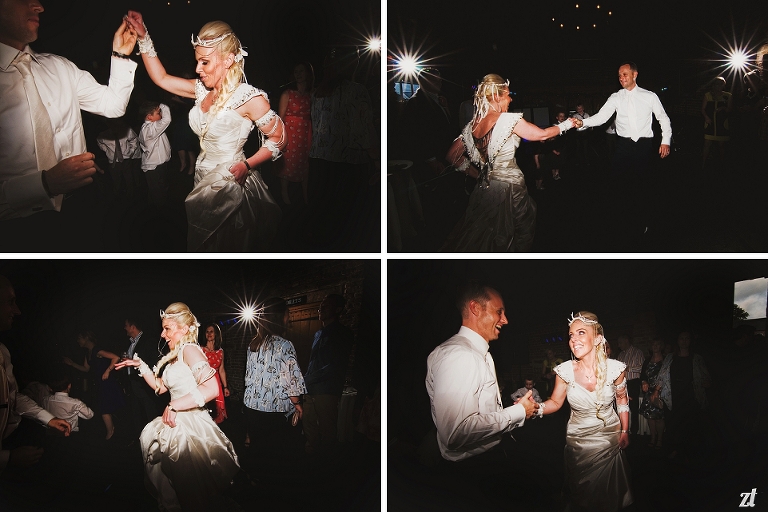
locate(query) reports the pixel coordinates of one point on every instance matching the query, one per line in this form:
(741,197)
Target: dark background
(675,44)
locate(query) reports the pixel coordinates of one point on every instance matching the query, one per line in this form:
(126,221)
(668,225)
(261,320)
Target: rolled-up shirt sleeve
(460,398)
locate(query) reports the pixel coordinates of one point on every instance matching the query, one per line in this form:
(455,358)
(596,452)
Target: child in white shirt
(155,149)
(63,406)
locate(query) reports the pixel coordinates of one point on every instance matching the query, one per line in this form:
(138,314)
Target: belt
(630,138)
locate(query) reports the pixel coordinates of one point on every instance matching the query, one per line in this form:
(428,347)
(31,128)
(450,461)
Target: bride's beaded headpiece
(173,316)
(587,321)
(211,43)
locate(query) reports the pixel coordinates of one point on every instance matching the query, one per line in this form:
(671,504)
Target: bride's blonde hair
(219,36)
(493,87)
(179,313)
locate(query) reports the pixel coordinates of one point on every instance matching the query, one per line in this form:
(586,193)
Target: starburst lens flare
(374,44)
(738,60)
(248,313)
(407,65)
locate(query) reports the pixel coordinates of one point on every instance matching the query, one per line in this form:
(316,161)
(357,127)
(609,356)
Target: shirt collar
(477,341)
(8,54)
(134,340)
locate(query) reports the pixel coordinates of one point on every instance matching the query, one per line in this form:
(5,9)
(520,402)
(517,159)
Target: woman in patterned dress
(215,354)
(274,384)
(500,216)
(294,110)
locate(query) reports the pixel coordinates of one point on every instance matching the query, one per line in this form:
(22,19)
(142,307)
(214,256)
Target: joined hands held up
(124,39)
(136,21)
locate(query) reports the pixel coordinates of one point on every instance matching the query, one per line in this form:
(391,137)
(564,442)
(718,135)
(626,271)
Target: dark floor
(720,207)
(105,220)
(87,473)
(712,478)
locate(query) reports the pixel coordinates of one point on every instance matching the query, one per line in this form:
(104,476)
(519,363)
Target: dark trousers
(44,231)
(629,185)
(633,390)
(273,439)
(157,185)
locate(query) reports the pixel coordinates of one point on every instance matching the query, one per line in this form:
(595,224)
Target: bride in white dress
(187,459)
(500,216)
(595,464)
(230,208)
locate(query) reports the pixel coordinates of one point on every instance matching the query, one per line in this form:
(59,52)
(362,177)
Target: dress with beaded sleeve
(596,469)
(188,465)
(222,215)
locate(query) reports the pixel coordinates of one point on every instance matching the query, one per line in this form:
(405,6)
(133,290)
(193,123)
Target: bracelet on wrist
(172,408)
(120,55)
(247,166)
(624,431)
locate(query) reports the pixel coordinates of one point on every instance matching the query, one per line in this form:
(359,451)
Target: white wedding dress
(190,464)
(222,215)
(596,469)
(500,216)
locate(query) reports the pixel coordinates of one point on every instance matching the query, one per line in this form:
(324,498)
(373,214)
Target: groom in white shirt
(461,381)
(634,108)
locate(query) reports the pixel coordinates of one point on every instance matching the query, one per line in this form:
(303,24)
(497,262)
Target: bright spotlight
(248,313)
(408,65)
(374,44)
(738,60)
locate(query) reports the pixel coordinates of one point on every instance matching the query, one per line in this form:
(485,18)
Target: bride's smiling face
(211,67)
(581,338)
(173,332)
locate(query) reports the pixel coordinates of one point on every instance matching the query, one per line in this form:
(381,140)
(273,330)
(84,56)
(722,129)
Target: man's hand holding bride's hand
(577,123)
(124,39)
(137,23)
(529,404)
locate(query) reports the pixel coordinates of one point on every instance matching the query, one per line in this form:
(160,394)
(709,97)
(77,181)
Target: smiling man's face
(491,318)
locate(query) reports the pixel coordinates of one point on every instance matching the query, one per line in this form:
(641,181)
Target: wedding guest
(41,161)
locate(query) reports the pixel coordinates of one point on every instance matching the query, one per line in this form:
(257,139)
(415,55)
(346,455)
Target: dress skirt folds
(187,466)
(190,464)
(500,216)
(224,216)
(596,469)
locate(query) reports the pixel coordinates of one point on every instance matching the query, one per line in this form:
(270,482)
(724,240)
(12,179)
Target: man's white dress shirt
(466,403)
(64,90)
(634,110)
(63,406)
